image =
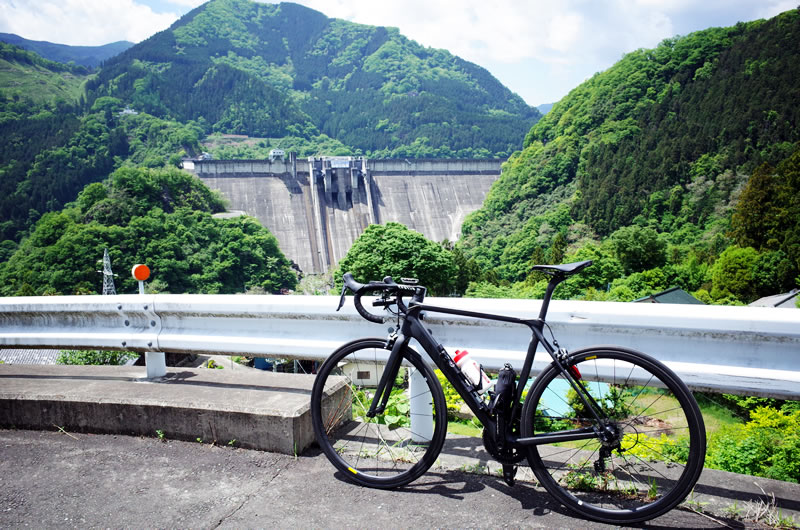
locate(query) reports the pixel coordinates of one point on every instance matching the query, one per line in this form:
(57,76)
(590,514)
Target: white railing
(744,350)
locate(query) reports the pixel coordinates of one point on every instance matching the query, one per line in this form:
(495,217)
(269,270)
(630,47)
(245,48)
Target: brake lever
(341,300)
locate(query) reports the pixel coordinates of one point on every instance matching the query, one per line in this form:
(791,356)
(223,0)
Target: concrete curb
(260,410)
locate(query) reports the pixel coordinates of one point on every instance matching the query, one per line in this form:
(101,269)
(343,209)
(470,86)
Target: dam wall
(317,207)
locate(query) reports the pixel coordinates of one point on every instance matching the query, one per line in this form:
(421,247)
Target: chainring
(509,456)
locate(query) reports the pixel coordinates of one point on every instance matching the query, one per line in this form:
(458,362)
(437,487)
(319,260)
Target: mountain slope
(24,73)
(238,66)
(89,56)
(664,139)
(161,217)
(53,144)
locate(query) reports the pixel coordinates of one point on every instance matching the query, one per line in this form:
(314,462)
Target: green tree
(638,248)
(733,274)
(767,217)
(394,250)
(94,357)
(161,217)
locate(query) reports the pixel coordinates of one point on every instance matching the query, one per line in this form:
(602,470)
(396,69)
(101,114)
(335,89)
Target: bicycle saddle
(565,268)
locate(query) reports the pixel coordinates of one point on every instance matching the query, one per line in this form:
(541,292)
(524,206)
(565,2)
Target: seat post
(551,286)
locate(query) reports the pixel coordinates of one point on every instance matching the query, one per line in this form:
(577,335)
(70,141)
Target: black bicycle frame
(413,328)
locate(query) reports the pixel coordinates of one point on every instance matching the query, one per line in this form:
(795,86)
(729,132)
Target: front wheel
(650,442)
(394,447)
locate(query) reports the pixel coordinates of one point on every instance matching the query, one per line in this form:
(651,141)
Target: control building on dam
(317,207)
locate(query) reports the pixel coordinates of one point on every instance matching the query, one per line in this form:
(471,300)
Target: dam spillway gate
(317,207)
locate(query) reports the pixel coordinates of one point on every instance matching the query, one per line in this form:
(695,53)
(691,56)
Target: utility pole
(108,276)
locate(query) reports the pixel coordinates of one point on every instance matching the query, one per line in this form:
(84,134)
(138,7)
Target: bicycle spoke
(639,465)
(385,449)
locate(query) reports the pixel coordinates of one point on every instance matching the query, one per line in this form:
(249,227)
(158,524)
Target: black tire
(659,435)
(379,452)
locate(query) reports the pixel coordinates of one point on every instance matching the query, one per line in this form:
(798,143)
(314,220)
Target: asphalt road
(56,479)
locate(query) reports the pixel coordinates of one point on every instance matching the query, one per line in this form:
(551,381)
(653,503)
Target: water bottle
(473,371)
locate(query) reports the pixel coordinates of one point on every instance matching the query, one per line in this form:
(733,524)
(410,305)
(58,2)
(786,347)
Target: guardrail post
(420,401)
(155,362)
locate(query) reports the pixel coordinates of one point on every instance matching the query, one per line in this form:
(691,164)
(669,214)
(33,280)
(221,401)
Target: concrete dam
(317,207)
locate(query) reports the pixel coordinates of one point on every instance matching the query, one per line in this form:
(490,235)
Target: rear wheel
(650,444)
(394,447)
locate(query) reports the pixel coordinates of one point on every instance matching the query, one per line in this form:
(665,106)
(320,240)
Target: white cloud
(771,7)
(540,48)
(188,3)
(508,31)
(82,22)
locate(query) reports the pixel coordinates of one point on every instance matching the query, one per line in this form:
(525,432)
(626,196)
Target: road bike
(610,432)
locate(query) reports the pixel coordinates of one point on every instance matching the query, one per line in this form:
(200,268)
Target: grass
(715,416)
(464,429)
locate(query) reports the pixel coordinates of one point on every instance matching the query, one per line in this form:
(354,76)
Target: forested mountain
(53,147)
(654,153)
(88,56)
(236,66)
(27,75)
(161,217)
(275,70)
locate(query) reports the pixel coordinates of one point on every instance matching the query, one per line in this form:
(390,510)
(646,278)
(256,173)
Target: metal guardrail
(743,350)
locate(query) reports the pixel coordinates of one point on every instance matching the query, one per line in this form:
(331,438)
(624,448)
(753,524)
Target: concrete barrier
(247,408)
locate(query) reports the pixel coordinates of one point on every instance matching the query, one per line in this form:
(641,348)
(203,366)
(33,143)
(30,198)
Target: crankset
(508,456)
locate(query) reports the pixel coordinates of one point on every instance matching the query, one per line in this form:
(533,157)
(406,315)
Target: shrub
(766,446)
(94,357)
(451,397)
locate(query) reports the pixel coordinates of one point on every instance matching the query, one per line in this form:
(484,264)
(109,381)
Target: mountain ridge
(367,86)
(89,56)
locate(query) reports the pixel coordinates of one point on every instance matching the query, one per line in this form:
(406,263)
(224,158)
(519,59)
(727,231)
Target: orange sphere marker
(140,272)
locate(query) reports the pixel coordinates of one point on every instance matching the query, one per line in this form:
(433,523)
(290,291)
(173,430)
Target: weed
(694,504)
(61,429)
(199,440)
(161,436)
(232,442)
(767,512)
(476,469)
(733,510)
(652,492)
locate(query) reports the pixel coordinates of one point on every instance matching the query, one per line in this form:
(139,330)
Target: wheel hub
(610,435)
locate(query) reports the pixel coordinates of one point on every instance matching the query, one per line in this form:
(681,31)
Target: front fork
(396,342)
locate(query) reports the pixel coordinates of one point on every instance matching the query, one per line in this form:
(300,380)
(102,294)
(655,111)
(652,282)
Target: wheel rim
(640,468)
(392,446)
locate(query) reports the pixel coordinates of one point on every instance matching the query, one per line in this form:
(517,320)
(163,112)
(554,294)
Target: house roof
(673,295)
(27,356)
(779,300)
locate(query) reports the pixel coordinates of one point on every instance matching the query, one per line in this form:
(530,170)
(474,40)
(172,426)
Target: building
(673,295)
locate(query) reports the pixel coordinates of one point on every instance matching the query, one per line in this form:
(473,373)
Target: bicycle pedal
(509,472)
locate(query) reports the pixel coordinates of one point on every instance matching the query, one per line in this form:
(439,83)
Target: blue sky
(539,49)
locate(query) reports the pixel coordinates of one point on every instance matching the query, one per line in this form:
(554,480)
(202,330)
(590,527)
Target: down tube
(445,363)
